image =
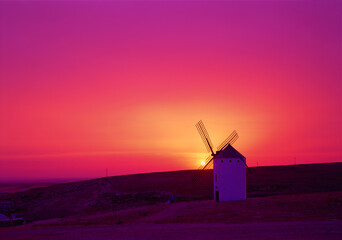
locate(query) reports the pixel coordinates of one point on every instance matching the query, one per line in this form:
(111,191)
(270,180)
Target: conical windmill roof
(229,152)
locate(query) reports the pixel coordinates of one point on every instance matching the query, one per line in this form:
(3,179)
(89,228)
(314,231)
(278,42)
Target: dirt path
(277,230)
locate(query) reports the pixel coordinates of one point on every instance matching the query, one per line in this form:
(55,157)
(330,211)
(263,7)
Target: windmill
(229,173)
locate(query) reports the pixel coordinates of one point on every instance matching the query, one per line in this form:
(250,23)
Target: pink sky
(86,86)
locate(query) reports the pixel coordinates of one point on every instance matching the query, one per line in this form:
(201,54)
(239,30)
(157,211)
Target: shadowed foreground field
(257,231)
(295,202)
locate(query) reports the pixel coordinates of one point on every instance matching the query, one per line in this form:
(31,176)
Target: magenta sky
(86,86)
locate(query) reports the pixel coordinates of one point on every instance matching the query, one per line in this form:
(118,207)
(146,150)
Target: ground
(275,230)
(292,202)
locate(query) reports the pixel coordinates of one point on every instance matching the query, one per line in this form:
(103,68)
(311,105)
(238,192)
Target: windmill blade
(201,133)
(229,140)
(205,137)
(208,163)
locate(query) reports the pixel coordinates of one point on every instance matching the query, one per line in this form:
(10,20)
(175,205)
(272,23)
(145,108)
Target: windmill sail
(229,140)
(205,137)
(208,163)
(209,145)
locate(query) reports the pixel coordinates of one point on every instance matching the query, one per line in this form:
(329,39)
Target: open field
(329,230)
(287,199)
(297,207)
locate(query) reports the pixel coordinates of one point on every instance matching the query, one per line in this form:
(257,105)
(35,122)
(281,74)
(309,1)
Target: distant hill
(124,192)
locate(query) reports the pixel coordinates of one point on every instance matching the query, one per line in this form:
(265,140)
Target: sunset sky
(90,85)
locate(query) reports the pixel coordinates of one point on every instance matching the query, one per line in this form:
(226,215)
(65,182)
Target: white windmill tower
(229,167)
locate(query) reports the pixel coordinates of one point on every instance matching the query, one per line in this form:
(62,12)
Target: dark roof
(229,152)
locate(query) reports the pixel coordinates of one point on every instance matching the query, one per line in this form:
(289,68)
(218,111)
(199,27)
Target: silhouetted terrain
(112,194)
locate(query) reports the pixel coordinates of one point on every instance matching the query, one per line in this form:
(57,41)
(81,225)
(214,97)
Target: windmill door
(217,196)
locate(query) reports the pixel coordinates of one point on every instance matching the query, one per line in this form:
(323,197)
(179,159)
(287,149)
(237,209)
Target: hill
(142,195)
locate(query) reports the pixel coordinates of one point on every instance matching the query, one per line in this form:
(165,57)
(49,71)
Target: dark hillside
(123,192)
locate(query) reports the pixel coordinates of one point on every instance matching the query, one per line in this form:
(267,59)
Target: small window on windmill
(238,160)
(230,160)
(222,161)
